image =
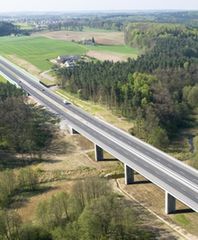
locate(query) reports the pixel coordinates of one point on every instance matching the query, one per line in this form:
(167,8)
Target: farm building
(67,61)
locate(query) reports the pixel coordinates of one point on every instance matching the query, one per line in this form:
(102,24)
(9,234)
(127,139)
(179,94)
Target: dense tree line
(106,21)
(119,21)
(152,88)
(24,128)
(7,28)
(145,35)
(79,23)
(70,25)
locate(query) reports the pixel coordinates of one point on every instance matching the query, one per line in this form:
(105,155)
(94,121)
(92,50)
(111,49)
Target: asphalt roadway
(168,173)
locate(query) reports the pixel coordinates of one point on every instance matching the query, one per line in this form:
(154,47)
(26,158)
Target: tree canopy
(152,87)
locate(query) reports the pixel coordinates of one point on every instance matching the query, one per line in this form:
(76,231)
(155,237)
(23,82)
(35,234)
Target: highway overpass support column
(72,131)
(170,203)
(98,153)
(128,174)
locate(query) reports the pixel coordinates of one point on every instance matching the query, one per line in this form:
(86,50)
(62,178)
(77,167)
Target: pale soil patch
(106,38)
(102,56)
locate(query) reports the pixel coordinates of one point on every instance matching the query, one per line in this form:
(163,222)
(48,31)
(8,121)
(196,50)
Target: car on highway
(66,102)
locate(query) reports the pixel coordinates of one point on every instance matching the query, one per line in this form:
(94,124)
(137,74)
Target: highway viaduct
(170,201)
(178,180)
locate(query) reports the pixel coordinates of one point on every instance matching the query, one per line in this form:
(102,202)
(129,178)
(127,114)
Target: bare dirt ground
(102,56)
(106,38)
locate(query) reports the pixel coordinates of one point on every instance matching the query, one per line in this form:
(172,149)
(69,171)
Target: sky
(78,5)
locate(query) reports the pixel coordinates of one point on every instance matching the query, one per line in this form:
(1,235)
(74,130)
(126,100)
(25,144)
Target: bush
(8,185)
(31,232)
(28,179)
(10,223)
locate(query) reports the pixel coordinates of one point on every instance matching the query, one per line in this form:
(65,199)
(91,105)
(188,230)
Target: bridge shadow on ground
(109,160)
(141,182)
(184,210)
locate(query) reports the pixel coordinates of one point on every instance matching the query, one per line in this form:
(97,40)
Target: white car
(66,102)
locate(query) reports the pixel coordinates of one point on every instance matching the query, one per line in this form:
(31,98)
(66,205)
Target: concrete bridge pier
(98,153)
(72,131)
(170,203)
(128,175)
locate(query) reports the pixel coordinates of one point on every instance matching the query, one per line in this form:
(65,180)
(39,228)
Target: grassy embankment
(2,79)
(99,110)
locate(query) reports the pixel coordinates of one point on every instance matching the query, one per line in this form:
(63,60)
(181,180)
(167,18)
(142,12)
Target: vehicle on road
(66,102)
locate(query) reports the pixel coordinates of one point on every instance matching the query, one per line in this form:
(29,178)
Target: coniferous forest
(159,89)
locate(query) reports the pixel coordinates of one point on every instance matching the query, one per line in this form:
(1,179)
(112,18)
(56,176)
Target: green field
(40,50)
(182,219)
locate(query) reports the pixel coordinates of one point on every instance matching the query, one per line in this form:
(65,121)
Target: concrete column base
(98,153)
(72,131)
(170,203)
(128,175)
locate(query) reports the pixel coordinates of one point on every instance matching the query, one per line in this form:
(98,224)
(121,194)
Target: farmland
(40,50)
(101,36)
(113,52)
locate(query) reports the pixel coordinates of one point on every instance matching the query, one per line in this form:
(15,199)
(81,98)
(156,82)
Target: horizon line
(78,10)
